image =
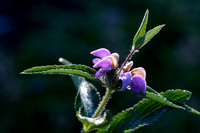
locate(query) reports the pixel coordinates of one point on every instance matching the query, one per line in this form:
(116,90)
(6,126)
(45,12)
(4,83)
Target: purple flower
(135,79)
(107,61)
(102,52)
(126,79)
(139,71)
(138,83)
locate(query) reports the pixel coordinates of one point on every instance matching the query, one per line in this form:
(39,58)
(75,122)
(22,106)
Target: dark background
(38,32)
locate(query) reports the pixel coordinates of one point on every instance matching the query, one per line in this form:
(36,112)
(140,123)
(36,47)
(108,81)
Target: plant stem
(85,131)
(129,56)
(99,109)
(103,102)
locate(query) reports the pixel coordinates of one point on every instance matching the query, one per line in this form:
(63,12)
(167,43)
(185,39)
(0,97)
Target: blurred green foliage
(38,32)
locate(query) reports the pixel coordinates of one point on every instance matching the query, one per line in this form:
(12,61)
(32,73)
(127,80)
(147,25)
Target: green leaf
(97,123)
(152,94)
(144,113)
(142,29)
(161,99)
(141,37)
(86,103)
(79,70)
(148,111)
(87,97)
(148,36)
(77,103)
(53,67)
(191,110)
(149,89)
(183,95)
(64,61)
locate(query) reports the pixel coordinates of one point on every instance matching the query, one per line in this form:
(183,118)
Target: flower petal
(101,72)
(139,71)
(116,55)
(137,83)
(126,78)
(95,60)
(114,61)
(143,71)
(105,63)
(102,52)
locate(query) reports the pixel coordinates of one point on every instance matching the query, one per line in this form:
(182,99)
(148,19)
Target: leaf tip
(64,61)
(163,25)
(61,59)
(22,72)
(146,14)
(147,11)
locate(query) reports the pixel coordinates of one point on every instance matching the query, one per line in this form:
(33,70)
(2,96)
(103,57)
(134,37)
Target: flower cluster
(107,61)
(135,79)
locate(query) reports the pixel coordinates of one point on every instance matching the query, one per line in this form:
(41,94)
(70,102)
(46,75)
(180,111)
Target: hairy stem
(103,102)
(100,108)
(129,56)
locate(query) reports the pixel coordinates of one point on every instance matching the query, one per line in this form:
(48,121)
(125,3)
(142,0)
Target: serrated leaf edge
(52,67)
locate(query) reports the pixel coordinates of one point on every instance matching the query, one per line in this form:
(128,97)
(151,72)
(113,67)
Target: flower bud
(128,66)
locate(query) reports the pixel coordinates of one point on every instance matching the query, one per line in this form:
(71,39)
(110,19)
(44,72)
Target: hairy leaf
(152,94)
(148,36)
(172,95)
(53,67)
(147,112)
(191,110)
(79,70)
(149,89)
(97,123)
(64,61)
(142,29)
(87,97)
(161,99)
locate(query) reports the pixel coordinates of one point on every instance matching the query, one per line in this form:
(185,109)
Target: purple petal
(143,71)
(101,72)
(95,60)
(126,78)
(136,89)
(105,63)
(137,83)
(102,52)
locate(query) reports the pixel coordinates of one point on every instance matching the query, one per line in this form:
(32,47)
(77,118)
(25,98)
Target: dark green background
(38,32)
